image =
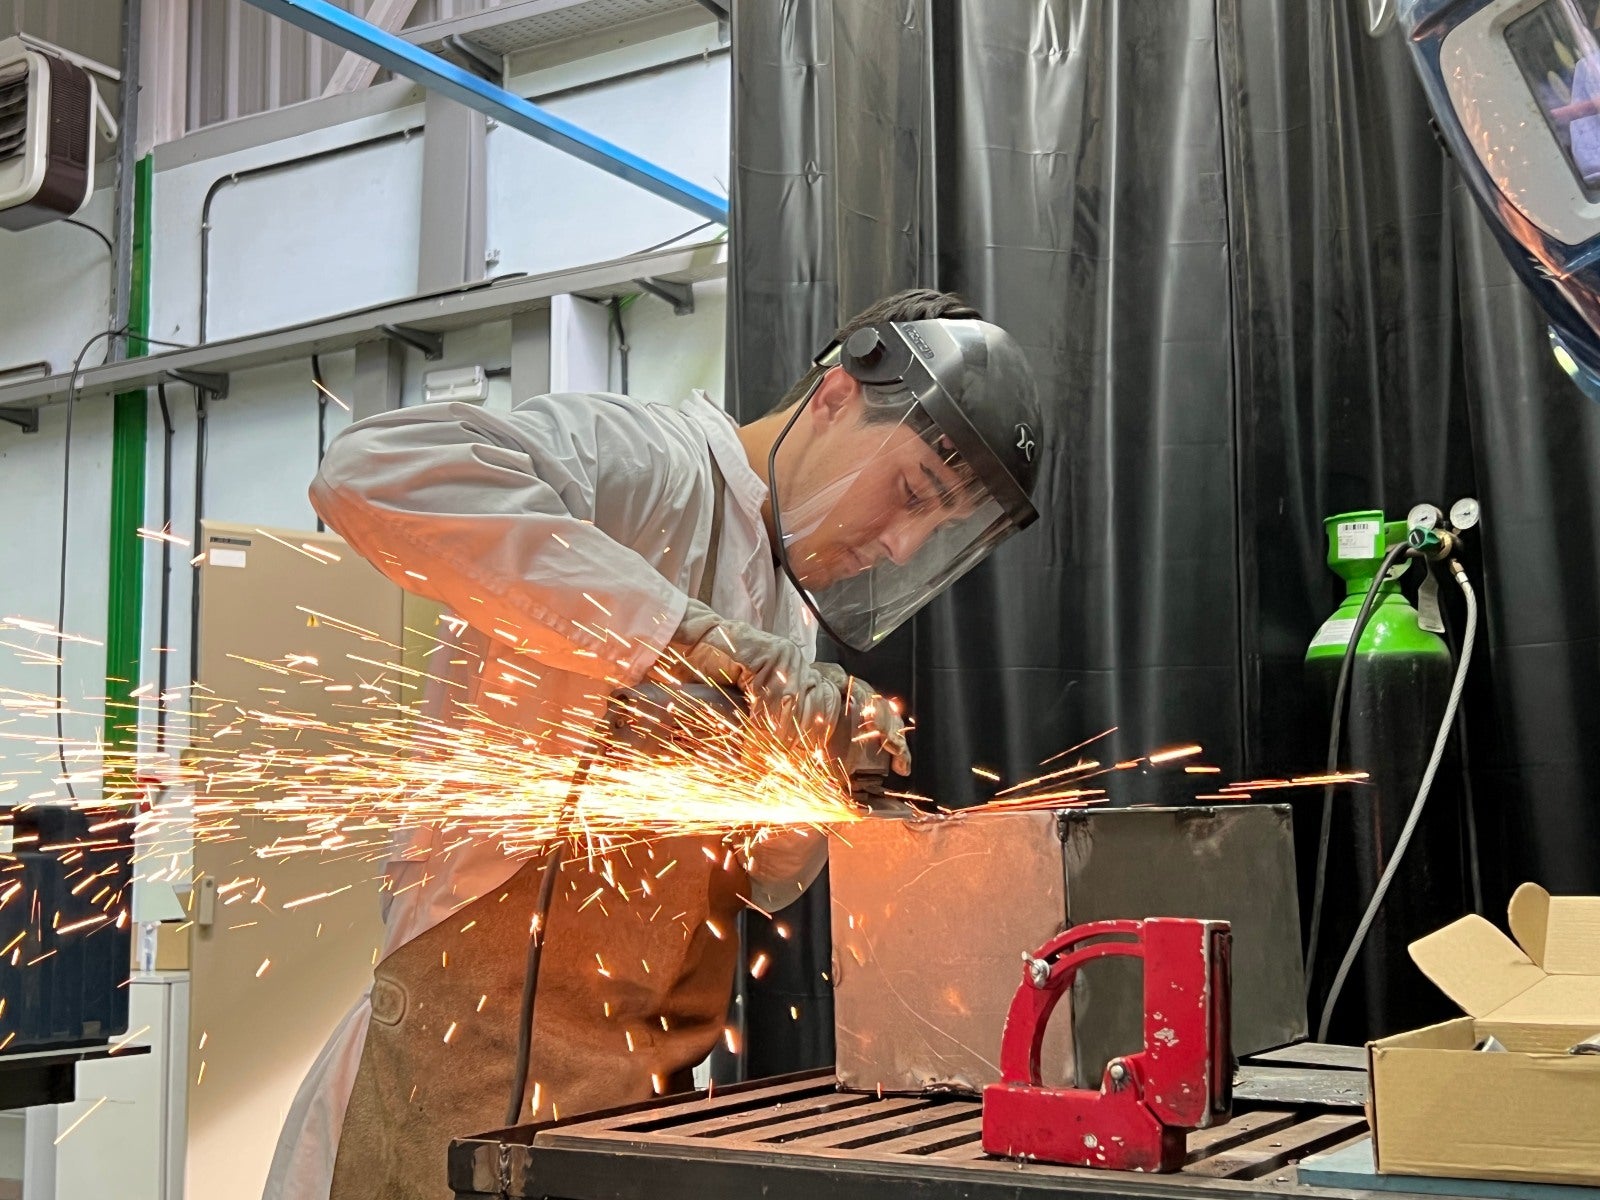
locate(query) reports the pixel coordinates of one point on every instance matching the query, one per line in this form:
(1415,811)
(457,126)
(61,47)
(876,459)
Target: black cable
(66,507)
(150,341)
(322,418)
(61,575)
(166,568)
(110,249)
(677,238)
(622,344)
(201,437)
(1335,730)
(536,939)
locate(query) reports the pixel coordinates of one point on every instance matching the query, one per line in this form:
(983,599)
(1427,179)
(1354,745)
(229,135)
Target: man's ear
(837,398)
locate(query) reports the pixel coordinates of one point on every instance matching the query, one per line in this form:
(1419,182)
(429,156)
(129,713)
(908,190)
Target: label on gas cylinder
(1357,539)
(1428,615)
(1335,632)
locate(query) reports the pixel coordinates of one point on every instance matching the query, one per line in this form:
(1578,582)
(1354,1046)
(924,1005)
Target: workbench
(800,1138)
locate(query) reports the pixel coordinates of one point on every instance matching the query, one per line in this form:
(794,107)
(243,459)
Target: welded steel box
(931,919)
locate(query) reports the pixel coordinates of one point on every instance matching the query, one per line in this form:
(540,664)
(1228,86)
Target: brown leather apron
(633,991)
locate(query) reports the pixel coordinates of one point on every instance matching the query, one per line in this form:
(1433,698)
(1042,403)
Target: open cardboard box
(1440,1107)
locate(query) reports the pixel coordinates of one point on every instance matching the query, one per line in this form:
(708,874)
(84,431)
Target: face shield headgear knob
(887,492)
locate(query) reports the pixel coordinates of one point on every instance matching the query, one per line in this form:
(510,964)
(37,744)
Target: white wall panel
(30,488)
(56,289)
(668,355)
(333,234)
(548,211)
(180,207)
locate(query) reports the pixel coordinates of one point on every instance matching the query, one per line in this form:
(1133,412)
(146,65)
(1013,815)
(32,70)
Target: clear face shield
(885,491)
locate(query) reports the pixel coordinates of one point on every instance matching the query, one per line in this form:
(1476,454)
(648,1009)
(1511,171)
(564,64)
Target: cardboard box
(931,920)
(1440,1107)
(172,945)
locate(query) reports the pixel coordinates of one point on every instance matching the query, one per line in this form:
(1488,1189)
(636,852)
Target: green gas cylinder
(1398,686)
(1357,544)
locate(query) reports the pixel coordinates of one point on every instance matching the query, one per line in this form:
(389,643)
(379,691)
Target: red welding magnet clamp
(1183,1078)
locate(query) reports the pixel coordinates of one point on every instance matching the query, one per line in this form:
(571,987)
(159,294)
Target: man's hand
(877,732)
(784,687)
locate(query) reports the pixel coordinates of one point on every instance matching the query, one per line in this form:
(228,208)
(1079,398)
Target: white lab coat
(510,518)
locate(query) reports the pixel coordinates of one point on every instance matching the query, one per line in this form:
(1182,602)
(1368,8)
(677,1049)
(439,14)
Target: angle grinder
(689,715)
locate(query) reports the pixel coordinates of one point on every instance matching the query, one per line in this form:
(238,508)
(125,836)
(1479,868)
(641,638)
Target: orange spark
(93,1108)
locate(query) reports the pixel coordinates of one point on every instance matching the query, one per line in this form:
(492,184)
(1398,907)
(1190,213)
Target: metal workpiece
(930,917)
(1232,863)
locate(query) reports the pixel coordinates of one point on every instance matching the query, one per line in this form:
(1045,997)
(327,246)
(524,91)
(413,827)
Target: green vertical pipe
(124,614)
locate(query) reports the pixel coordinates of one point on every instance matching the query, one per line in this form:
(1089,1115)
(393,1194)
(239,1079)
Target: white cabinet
(128,1140)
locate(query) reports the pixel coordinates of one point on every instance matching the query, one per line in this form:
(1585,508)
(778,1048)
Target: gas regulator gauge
(1424,516)
(1464,513)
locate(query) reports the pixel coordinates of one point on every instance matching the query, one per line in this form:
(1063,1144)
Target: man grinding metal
(898,462)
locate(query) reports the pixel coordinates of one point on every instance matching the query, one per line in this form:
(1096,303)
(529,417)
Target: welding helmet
(885,493)
(1514,86)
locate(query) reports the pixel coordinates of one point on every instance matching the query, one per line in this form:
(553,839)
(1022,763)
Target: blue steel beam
(324,20)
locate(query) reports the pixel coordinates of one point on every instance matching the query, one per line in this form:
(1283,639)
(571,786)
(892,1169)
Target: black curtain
(1254,295)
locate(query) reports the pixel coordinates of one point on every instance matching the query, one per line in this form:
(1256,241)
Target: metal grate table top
(799,1138)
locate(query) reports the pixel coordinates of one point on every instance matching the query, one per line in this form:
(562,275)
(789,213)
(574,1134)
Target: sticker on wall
(227,551)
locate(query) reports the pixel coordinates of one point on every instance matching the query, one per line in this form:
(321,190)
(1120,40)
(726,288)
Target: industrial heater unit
(47,125)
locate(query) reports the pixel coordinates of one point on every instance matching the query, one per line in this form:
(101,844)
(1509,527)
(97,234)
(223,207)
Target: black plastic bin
(64,983)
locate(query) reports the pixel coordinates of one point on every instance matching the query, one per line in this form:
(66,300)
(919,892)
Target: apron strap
(708,575)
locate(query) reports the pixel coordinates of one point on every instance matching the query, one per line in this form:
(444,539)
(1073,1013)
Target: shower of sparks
(342,784)
(336,784)
(1064,787)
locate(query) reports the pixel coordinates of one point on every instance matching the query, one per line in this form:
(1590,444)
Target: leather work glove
(772,669)
(867,714)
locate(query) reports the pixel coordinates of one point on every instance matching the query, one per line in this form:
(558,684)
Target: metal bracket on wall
(679,295)
(431,344)
(724,18)
(25,419)
(478,60)
(204,381)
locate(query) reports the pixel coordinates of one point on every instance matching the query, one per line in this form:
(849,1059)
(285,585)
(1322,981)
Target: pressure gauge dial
(1464,513)
(1424,516)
